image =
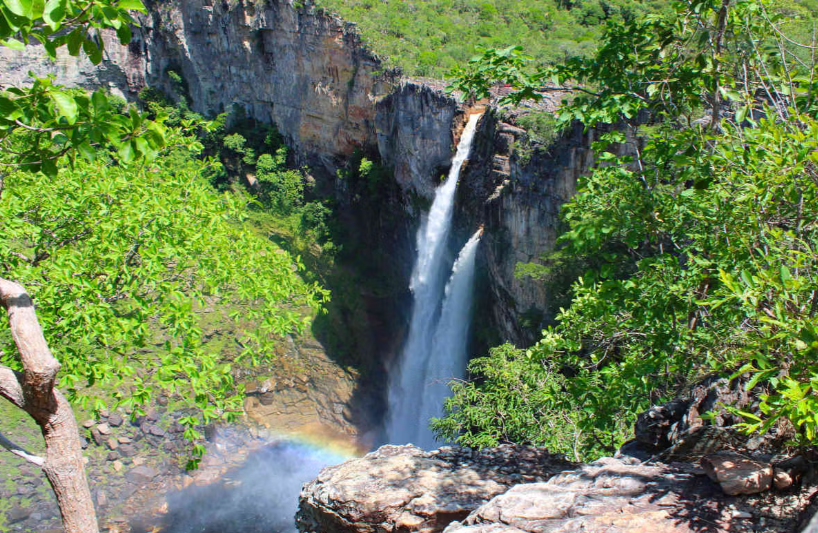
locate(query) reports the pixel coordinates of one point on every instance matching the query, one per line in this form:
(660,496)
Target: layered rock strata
(300,68)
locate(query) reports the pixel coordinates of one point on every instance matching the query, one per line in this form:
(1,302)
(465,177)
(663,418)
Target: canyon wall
(300,68)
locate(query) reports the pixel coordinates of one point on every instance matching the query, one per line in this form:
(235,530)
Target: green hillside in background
(430,37)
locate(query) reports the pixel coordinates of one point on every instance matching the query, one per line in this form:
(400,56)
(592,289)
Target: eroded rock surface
(403,488)
(513,489)
(609,495)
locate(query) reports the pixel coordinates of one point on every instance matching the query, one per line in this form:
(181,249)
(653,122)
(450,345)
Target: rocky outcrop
(738,474)
(608,495)
(517,194)
(614,496)
(403,488)
(676,431)
(414,126)
(458,491)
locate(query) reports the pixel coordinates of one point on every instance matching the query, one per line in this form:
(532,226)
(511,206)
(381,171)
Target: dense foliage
(429,38)
(702,243)
(110,219)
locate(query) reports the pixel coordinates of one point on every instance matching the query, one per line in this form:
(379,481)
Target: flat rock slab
(611,496)
(404,488)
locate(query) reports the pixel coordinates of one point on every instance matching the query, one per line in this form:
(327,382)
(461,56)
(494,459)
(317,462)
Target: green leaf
(66,105)
(54,13)
(7,107)
(127,153)
(93,50)
(132,5)
(14,44)
(19,7)
(100,102)
(124,34)
(75,40)
(741,114)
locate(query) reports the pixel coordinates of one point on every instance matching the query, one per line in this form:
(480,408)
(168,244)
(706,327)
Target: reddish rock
(738,474)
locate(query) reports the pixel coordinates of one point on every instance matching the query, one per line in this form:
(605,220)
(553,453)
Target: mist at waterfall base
(435,351)
(259,496)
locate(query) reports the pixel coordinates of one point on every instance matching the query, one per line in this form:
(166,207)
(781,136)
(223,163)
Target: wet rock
(737,474)
(408,489)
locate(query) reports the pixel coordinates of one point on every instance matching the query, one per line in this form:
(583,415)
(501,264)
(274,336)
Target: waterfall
(448,357)
(406,388)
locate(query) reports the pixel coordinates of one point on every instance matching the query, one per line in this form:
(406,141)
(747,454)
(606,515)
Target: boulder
(738,474)
(116,420)
(788,472)
(141,474)
(407,489)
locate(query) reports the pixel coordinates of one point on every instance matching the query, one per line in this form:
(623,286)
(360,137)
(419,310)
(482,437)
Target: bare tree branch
(40,367)
(20,452)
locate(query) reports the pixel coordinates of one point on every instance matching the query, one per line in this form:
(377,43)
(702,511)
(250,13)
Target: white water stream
(426,364)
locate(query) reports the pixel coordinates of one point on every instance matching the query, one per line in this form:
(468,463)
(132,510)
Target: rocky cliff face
(300,68)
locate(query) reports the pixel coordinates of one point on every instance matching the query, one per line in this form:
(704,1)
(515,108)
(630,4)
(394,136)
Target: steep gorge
(309,73)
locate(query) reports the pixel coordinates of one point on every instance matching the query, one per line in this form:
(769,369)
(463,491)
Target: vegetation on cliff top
(700,247)
(429,38)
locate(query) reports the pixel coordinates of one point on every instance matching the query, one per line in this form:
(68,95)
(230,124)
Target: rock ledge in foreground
(403,488)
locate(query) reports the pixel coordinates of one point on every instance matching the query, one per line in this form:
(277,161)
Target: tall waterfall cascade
(435,350)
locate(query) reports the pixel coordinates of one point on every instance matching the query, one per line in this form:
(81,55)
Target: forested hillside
(429,38)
